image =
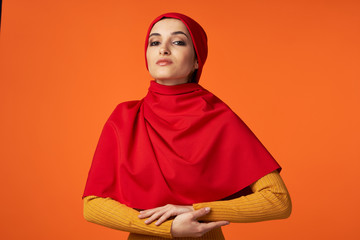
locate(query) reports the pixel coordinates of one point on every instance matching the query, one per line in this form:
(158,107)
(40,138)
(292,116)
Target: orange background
(290,69)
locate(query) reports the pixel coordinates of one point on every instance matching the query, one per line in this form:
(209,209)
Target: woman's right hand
(186,224)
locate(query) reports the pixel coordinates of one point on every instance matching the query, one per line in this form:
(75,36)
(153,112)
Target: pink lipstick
(164,62)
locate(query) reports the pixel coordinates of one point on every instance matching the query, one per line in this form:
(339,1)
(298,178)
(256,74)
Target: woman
(179,163)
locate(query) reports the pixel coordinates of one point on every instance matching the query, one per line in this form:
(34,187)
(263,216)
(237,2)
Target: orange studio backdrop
(289,69)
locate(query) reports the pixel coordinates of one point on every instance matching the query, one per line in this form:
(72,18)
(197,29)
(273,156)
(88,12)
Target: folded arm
(110,213)
(269,201)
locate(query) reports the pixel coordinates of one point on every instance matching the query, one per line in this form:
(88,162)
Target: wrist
(172,231)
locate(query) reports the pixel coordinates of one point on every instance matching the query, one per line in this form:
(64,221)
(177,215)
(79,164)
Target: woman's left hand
(163,213)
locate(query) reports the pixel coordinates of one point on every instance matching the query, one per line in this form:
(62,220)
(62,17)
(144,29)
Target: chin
(170,82)
(164,77)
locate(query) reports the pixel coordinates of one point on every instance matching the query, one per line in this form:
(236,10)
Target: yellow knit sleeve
(269,200)
(110,213)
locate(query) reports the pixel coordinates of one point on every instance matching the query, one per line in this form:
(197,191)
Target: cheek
(151,66)
(148,60)
(190,54)
(189,59)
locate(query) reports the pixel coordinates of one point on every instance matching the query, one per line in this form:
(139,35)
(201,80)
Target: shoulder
(125,110)
(127,105)
(215,102)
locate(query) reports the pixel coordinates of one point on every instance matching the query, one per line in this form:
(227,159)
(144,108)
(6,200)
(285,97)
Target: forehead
(169,25)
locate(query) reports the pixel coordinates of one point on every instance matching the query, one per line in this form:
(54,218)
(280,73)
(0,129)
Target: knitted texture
(270,200)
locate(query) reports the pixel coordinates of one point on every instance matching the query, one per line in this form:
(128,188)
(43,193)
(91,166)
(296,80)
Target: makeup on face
(170,53)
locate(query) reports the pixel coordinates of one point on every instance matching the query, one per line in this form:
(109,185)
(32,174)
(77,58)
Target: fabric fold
(179,145)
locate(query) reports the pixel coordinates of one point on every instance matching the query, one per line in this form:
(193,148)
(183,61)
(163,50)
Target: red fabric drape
(180,145)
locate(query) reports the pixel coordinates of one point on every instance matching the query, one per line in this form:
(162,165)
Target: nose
(164,50)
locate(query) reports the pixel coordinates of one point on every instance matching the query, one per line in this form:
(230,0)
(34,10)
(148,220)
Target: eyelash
(180,43)
(156,43)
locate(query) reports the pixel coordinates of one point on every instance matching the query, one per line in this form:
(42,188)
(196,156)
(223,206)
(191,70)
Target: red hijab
(179,145)
(197,34)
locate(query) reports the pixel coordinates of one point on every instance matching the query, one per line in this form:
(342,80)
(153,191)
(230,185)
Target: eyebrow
(173,33)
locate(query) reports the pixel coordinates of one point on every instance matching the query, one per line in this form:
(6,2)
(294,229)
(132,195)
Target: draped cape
(179,145)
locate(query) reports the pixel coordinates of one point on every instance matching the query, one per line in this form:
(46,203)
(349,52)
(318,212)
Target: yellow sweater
(270,200)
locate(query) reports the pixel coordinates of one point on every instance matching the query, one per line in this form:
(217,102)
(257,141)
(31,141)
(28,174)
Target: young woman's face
(170,54)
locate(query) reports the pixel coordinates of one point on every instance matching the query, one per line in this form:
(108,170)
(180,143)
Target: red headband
(197,33)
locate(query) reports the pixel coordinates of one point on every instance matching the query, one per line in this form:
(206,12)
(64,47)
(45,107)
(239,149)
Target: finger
(148,213)
(150,210)
(154,217)
(163,218)
(212,225)
(206,227)
(201,212)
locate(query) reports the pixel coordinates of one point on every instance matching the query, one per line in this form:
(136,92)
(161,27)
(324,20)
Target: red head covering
(198,37)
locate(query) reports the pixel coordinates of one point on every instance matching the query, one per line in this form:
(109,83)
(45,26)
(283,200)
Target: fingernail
(141,211)
(207,209)
(227,223)
(146,221)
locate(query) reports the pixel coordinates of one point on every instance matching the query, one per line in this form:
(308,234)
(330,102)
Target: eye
(154,43)
(181,43)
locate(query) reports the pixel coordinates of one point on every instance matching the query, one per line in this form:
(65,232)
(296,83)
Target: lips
(163,62)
